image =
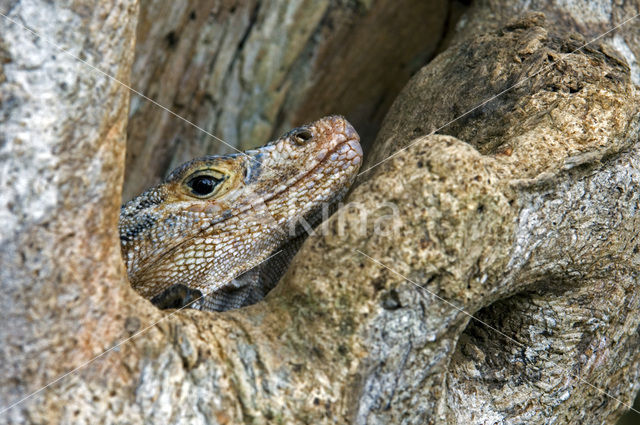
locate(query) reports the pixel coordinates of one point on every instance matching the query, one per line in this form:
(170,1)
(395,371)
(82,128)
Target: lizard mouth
(344,155)
(336,166)
(353,140)
(347,155)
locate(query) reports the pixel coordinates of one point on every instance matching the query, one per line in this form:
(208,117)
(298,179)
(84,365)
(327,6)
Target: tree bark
(524,213)
(248,70)
(63,144)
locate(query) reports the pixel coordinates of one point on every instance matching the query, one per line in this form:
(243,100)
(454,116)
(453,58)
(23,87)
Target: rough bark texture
(525,213)
(248,70)
(62,145)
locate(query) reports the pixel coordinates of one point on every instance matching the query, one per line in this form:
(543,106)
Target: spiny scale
(210,226)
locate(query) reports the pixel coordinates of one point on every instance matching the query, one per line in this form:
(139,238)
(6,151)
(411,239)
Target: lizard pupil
(203,185)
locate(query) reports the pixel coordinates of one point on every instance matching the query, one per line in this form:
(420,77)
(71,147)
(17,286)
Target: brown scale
(201,238)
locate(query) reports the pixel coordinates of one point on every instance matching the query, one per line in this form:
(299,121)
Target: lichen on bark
(523,213)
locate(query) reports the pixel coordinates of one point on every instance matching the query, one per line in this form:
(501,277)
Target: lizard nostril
(302,136)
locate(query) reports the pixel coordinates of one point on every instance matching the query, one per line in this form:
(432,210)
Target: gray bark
(524,213)
(62,129)
(248,70)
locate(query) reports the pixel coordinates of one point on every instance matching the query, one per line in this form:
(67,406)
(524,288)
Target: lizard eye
(302,136)
(204,185)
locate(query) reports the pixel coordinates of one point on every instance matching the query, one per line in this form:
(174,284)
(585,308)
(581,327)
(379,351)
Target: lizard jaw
(313,180)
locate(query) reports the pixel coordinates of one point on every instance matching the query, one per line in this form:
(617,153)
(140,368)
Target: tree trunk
(248,70)
(523,212)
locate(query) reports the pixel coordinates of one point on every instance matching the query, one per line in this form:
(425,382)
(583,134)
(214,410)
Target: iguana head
(216,217)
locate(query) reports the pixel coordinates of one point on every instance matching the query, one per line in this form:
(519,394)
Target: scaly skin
(218,217)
